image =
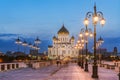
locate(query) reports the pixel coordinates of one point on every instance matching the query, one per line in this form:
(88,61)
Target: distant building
(1,54)
(115,51)
(9,53)
(102,51)
(63,45)
(34,52)
(19,54)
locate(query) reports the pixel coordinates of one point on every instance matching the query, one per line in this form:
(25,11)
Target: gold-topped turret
(63,31)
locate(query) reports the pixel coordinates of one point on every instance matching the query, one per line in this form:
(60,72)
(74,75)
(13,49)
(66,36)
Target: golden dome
(63,30)
(72,38)
(54,38)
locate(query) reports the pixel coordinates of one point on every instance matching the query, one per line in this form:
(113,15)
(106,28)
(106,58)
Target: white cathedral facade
(63,45)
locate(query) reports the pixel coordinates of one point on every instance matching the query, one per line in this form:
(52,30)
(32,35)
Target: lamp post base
(79,63)
(86,68)
(95,71)
(82,65)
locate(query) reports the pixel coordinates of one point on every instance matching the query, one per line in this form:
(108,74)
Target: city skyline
(43,18)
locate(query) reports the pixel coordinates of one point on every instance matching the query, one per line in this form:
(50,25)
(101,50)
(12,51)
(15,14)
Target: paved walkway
(70,72)
(28,73)
(74,72)
(105,74)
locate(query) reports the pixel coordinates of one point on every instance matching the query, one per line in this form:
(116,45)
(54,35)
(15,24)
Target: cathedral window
(63,52)
(68,51)
(72,52)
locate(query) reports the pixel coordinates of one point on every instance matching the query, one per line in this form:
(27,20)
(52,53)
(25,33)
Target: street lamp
(85,33)
(37,41)
(79,47)
(82,57)
(24,44)
(96,16)
(18,42)
(98,44)
(30,45)
(81,44)
(100,40)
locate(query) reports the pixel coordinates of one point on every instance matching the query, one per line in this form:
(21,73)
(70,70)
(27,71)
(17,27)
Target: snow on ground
(70,72)
(105,74)
(28,73)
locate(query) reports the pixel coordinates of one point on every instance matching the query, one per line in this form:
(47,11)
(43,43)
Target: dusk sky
(43,18)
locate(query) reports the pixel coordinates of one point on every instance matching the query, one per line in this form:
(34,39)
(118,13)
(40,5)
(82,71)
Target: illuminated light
(91,35)
(30,46)
(102,41)
(80,35)
(75,47)
(86,22)
(82,45)
(1,60)
(86,41)
(79,44)
(86,33)
(37,41)
(78,41)
(24,44)
(18,41)
(102,22)
(82,40)
(95,19)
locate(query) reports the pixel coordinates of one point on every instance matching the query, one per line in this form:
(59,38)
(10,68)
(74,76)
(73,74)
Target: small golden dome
(54,38)
(72,38)
(63,30)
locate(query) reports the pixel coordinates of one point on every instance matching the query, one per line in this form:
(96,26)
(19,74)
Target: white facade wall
(63,48)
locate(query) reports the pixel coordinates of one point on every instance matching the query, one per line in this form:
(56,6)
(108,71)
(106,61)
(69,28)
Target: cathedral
(63,45)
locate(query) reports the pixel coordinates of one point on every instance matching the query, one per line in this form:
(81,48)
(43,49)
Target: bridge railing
(11,66)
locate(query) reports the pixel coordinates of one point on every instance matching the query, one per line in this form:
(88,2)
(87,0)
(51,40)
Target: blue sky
(43,18)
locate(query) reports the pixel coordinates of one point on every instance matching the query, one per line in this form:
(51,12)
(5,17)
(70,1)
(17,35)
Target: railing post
(119,74)
(0,68)
(5,65)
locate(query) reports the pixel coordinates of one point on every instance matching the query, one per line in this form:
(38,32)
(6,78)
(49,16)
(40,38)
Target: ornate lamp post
(30,45)
(85,33)
(82,61)
(18,42)
(98,44)
(79,47)
(100,40)
(96,16)
(24,44)
(37,41)
(80,43)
